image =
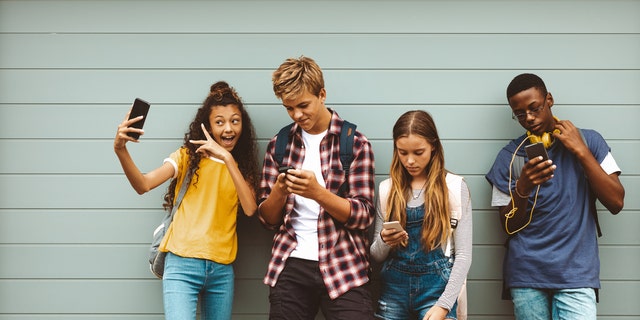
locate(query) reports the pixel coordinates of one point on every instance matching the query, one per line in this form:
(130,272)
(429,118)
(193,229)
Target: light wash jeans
(560,304)
(187,279)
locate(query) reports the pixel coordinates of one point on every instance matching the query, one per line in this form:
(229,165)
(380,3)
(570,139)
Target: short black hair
(523,82)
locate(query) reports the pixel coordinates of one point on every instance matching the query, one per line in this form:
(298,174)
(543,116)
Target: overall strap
(454,184)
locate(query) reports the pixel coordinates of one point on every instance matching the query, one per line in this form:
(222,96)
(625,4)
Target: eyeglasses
(521,116)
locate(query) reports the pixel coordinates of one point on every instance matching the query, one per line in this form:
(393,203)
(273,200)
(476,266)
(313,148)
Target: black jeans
(300,291)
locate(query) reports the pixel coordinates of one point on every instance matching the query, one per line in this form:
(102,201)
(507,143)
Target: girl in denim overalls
(421,279)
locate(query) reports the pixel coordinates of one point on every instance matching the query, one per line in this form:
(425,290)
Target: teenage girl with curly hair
(221,153)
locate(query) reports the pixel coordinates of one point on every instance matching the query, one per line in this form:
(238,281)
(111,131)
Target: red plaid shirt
(343,255)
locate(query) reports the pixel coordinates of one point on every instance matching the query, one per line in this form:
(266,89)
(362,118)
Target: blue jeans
(187,279)
(545,304)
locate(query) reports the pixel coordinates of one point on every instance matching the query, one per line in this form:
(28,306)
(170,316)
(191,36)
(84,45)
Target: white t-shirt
(304,217)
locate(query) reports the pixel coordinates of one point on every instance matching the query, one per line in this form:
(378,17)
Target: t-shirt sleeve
(609,164)
(174,159)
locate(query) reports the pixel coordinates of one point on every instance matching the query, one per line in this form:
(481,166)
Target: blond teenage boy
(319,256)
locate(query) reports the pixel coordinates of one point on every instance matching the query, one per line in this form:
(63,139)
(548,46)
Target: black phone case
(284,169)
(140,108)
(535,150)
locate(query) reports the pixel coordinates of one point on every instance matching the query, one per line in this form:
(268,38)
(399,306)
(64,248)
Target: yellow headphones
(546,138)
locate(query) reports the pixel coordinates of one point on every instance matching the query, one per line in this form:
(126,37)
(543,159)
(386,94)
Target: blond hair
(436,224)
(295,76)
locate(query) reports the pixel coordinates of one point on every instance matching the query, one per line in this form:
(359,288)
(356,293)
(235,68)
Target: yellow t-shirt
(204,226)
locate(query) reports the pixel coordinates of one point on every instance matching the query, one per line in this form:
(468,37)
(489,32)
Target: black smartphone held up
(140,108)
(284,169)
(535,150)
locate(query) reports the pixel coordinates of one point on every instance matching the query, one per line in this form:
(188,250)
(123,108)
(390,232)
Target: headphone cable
(512,212)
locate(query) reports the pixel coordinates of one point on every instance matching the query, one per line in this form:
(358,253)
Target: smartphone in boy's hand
(284,169)
(140,108)
(535,150)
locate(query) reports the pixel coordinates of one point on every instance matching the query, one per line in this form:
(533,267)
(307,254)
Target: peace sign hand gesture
(210,148)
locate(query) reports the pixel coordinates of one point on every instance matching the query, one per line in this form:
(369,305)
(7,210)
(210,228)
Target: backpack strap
(454,184)
(183,189)
(347,135)
(383,194)
(592,205)
(281,144)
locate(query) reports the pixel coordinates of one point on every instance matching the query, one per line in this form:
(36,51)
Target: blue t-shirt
(559,248)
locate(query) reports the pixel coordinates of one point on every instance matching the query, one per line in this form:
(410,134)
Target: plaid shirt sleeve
(343,249)
(361,184)
(343,255)
(284,241)
(269,172)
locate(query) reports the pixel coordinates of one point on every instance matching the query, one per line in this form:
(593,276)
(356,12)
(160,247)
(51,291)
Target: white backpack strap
(454,184)
(383,195)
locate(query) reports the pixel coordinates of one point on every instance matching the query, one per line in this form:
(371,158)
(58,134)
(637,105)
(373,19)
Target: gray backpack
(156,258)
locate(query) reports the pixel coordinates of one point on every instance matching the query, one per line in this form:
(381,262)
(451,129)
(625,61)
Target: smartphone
(535,150)
(392,225)
(284,169)
(140,108)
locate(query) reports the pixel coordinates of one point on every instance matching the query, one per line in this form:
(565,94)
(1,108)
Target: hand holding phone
(393,225)
(140,108)
(283,169)
(535,150)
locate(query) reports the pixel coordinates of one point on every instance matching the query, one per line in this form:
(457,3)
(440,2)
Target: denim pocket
(381,310)
(444,267)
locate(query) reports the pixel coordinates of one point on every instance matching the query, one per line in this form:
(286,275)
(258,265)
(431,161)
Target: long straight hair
(436,222)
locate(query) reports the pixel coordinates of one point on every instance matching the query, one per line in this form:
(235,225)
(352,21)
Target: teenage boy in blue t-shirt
(547,207)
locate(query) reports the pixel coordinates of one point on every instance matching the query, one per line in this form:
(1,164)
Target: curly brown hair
(245,151)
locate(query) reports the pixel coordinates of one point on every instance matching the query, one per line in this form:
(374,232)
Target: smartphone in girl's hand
(392,225)
(140,108)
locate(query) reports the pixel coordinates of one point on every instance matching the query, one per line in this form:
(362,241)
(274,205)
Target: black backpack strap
(347,134)
(595,216)
(592,204)
(281,144)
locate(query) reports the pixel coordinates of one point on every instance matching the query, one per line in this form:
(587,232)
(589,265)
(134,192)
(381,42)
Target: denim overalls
(413,280)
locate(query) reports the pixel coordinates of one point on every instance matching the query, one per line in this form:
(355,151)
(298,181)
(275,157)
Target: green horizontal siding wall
(74,234)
